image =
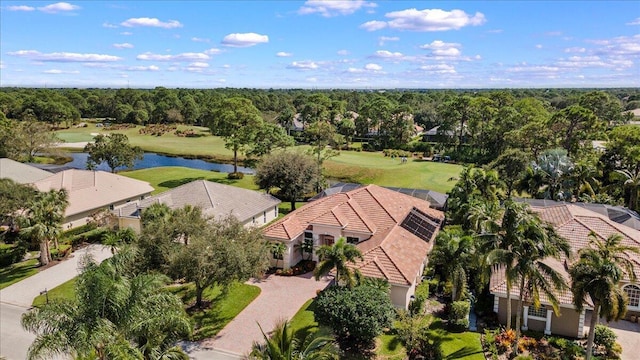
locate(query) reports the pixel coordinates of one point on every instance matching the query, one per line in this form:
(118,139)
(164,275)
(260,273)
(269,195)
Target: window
(633,292)
(277,256)
(264,217)
(540,312)
(352,240)
(253,220)
(275,211)
(308,235)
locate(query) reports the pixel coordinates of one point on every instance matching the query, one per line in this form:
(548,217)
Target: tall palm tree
(538,244)
(338,256)
(632,181)
(283,344)
(452,254)
(597,275)
(43,220)
(113,315)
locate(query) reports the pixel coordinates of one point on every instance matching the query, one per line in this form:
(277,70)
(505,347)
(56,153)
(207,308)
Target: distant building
(20,173)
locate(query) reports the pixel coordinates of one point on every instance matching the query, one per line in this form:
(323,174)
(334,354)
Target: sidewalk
(23,292)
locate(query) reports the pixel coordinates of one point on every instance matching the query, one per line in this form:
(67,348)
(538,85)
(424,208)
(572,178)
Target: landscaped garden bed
(303,267)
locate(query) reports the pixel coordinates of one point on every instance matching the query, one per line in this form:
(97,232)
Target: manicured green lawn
(168,177)
(465,345)
(64,291)
(375,168)
(12,274)
(224,307)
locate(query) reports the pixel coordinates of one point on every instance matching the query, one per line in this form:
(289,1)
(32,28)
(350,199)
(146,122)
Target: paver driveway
(628,335)
(281,297)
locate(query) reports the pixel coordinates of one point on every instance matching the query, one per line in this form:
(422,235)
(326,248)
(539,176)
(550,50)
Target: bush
(235,176)
(458,316)
(604,337)
(61,252)
(416,306)
(92,236)
(302,267)
(505,340)
(79,230)
(357,316)
(12,254)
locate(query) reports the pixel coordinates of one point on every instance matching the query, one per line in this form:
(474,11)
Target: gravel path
(281,297)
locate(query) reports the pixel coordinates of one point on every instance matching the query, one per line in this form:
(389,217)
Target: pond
(151,160)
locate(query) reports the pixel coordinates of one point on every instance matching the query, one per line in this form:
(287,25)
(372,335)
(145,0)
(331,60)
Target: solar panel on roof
(420,224)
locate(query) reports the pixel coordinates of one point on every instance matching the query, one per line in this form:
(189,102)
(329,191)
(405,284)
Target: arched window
(633,292)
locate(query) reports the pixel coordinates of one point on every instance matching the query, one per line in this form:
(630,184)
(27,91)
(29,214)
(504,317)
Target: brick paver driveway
(281,297)
(628,335)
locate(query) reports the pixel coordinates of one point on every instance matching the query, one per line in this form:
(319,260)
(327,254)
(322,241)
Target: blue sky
(320,44)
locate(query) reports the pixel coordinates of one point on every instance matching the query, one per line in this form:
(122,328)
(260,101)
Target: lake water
(151,160)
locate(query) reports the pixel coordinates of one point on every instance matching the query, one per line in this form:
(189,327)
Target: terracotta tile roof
(89,190)
(391,252)
(575,223)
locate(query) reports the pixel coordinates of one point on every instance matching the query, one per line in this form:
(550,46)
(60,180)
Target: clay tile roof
(391,252)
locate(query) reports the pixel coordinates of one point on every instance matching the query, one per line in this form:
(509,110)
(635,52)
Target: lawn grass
(463,345)
(169,177)
(224,306)
(375,168)
(390,348)
(12,274)
(64,291)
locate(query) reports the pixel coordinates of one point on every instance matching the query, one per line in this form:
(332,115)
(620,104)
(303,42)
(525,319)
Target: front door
(327,240)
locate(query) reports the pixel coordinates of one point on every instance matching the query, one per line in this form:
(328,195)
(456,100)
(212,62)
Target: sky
(319,44)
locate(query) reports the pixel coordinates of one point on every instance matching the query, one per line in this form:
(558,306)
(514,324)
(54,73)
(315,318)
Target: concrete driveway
(628,335)
(281,297)
(17,298)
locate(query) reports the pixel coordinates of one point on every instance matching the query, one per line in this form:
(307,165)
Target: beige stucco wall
(400,295)
(130,223)
(566,324)
(262,217)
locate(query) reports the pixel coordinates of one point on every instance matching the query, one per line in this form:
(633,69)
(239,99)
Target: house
(92,191)
(436,200)
(21,173)
(438,133)
(395,233)
(573,223)
(216,200)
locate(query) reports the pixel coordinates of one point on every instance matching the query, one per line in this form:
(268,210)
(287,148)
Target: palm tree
(632,181)
(597,274)
(539,243)
(338,256)
(555,167)
(278,249)
(43,219)
(283,344)
(113,315)
(452,254)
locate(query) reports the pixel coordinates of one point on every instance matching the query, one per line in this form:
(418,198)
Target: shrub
(505,340)
(235,176)
(357,316)
(458,316)
(302,267)
(416,306)
(527,343)
(12,254)
(61,252)
(605,337)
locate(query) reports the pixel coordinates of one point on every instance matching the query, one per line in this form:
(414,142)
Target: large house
(92,191)
(395,233)
(216,200)
(573,223)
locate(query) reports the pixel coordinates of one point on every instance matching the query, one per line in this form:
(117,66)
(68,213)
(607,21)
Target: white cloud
(126,33)
(343,52)
(178,57)
(575,50)
(244,40)
(634,22)
(621,45)
(439,69)
(2,65)
(383,39)
(303,65)
(58,71)
(284,54)
(441,48)
(213,51)
(123,46)
(355,70)
(143,68)
(151,22)
(534,69)
(109,25)
(373,67)
(201,65)
(373,25)
(426,20)
(385,54)
(58,7)
(538,46)
(495,31)
(312,79)
(553,33)
(20,8)
(64,56)
(328,8)
(197,39)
